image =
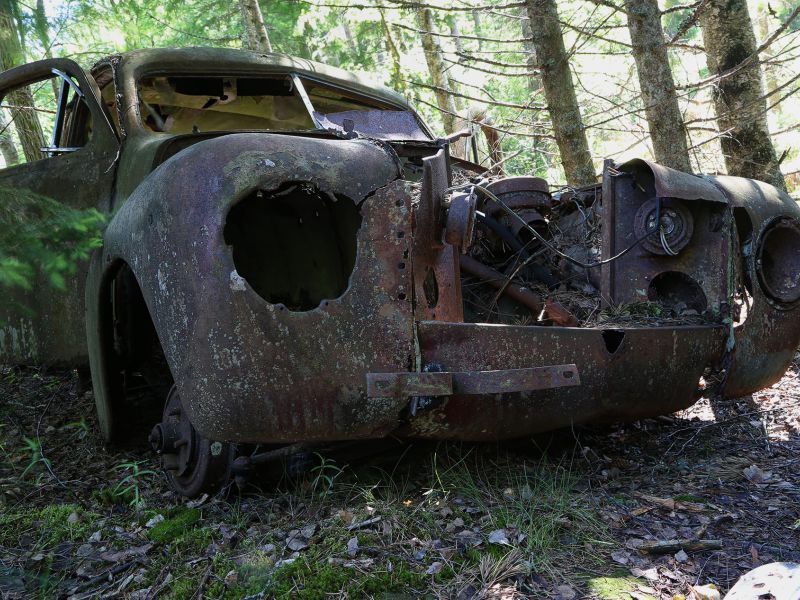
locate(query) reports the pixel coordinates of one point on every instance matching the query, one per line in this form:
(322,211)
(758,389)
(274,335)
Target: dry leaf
(705,592)
(434,568)
(352,546)
(566,592)
(498,536)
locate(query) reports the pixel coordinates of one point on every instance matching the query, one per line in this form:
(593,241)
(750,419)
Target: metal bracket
(449,383)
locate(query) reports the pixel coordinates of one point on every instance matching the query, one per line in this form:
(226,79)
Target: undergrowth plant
(129,485)
(324,475)
(34,449)
(80,428)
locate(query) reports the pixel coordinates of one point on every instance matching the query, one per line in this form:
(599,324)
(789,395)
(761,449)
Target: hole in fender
(613,339)
(677,291)
(296,245)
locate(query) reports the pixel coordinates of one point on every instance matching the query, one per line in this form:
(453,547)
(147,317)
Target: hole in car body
(296,245)
(677,291)
(613,339)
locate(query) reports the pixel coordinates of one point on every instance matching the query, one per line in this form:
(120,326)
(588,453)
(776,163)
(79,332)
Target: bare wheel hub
(193,463)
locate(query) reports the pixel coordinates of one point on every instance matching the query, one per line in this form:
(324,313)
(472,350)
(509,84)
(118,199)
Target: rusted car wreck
(292,257)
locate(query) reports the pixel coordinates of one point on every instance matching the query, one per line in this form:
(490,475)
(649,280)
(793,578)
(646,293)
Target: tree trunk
(256,36)
(348,35)
(530,51)
(738,97)
(664,120)
(40,26)
(476,20)
(391,47)
(559,92)
(455,31)
(22,108)
(433,56)
(7,148)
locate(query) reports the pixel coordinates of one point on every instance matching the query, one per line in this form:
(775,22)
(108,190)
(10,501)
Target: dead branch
(672,546)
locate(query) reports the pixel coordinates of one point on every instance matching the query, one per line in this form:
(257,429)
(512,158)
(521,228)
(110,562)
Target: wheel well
(137,377)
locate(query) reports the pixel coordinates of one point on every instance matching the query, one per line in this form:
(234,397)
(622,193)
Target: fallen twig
(104,576)
(363,524)
(670,546)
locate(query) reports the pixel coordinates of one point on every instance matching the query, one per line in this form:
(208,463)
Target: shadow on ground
(642,510)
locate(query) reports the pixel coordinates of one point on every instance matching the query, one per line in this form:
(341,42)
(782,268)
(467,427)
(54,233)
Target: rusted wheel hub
(193,463)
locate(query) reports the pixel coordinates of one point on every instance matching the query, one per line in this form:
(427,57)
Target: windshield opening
(370,117)
(200,104)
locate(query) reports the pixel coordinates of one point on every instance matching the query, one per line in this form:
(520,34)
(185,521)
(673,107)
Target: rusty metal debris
(347,278)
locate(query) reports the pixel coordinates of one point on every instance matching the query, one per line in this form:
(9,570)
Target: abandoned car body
(292,257)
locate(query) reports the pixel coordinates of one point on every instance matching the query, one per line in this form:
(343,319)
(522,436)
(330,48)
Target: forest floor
(565,516)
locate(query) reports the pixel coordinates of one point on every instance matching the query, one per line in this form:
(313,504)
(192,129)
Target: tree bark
(664,120)
(739,100)
(433,56)
(22,108)
(559,92)
(7,148)
(256,36)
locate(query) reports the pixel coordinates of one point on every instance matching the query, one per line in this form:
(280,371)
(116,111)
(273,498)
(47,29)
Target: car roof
(234,61)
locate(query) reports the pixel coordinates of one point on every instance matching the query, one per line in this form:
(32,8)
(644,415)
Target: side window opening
(42,119)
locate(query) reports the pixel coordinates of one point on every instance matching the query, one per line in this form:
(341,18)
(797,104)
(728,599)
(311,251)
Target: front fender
(229,349)
(765,344)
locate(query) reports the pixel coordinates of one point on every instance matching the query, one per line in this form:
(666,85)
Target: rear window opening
(296,245)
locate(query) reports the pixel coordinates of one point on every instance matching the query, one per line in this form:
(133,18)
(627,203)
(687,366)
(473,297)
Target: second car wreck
(351,279)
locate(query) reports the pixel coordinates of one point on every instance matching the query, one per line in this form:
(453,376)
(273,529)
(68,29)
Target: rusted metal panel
(670,183)
(436,265)
(650,372)
(246,369)
(632,194)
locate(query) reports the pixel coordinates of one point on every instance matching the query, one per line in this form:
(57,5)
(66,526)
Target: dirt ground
(643,510)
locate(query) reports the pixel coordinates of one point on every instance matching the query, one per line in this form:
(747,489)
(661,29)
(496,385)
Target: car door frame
(44,325)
